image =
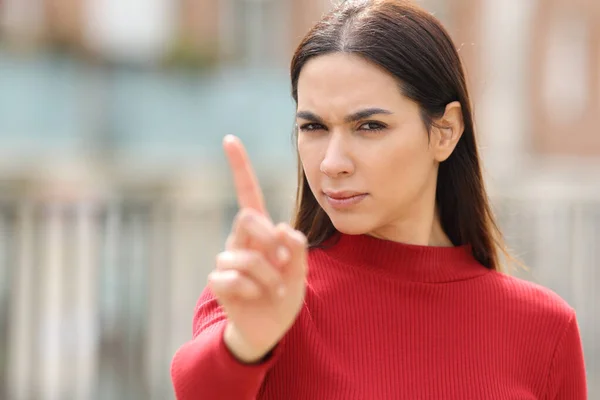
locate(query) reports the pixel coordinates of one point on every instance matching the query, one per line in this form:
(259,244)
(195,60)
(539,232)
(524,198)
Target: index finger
(248,191)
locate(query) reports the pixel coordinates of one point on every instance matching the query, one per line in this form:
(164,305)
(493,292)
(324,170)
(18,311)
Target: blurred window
(254,32)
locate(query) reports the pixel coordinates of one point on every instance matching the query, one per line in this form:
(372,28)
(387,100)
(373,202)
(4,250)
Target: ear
(447,131)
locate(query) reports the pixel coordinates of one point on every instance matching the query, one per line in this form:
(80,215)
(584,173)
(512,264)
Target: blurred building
(114,195)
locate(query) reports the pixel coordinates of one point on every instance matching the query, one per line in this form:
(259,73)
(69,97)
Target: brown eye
(311,127)
(372,126)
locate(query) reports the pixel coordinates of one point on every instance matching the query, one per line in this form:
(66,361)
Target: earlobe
(450,129)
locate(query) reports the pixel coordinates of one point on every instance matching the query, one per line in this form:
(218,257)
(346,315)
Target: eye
(372,126)
(312,126)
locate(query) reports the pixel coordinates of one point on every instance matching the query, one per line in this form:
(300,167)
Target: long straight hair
(414,47)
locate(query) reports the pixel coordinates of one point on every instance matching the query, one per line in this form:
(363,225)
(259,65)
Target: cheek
(401,165)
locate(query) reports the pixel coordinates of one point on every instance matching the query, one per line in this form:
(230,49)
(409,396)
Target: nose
(337,161)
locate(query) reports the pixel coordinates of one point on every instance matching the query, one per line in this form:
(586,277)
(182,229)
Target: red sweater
(384,320)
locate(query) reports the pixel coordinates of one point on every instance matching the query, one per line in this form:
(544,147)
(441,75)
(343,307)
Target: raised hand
(259,279)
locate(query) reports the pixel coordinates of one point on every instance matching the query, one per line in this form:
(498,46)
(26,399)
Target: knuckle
(254,259)
(249,213)
(244,216)
(222,260)
(240,217)
(232,260)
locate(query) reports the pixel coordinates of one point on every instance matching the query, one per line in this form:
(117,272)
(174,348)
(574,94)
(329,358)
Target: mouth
(344,199)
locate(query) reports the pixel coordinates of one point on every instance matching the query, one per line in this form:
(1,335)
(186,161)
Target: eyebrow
(357,116)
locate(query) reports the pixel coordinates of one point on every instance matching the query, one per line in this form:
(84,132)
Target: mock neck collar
(416,263)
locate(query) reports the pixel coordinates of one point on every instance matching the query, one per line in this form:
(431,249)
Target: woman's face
(364,148)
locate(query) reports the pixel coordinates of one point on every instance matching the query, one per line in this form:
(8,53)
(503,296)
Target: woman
(389,287)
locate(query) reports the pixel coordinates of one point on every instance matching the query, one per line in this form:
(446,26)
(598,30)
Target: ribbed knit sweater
(385,320)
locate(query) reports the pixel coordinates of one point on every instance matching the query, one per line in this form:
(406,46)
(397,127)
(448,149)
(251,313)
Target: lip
(344,199)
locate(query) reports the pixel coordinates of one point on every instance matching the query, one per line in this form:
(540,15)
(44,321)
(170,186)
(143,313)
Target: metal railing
(96,296)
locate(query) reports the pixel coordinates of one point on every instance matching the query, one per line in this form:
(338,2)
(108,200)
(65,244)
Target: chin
(351,224)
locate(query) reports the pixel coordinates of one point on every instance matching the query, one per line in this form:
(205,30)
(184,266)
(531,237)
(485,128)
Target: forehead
(346,82)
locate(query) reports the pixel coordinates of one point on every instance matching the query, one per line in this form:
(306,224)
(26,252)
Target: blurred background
(115,196)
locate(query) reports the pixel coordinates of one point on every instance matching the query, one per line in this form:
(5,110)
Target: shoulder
(544,327)
(528,299)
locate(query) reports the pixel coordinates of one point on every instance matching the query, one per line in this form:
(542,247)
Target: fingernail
(281,290)
(228,138)
(299,236)
(283,255)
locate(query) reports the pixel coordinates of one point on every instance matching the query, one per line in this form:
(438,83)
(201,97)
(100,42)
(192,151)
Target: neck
(420,226)
(403,261)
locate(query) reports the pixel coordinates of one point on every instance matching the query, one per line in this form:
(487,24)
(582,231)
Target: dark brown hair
(413,46)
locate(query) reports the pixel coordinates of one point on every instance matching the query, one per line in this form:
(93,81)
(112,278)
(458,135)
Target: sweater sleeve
(566,378)
(204,368)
